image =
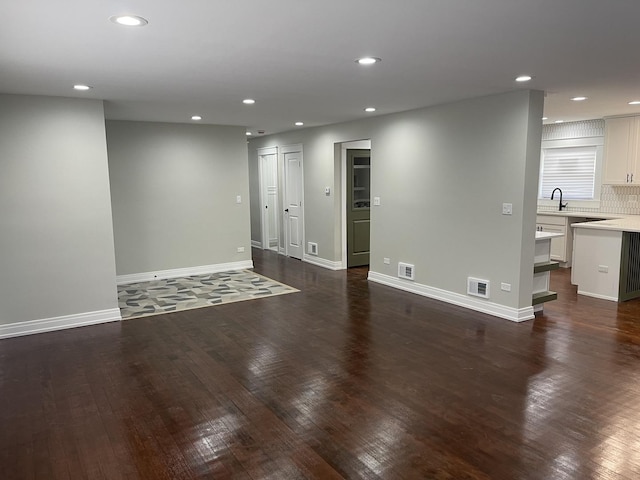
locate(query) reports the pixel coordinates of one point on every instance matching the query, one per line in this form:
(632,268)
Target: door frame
(295,148)
(262,152)
(344,146)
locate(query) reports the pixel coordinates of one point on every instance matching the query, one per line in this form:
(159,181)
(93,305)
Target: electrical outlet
(505,287)
(240,249)
(376,201)
(386,261)
(507,208)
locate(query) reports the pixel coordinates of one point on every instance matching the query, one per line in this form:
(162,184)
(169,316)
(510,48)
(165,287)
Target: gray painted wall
(174,189)
(56,240)
(442,174)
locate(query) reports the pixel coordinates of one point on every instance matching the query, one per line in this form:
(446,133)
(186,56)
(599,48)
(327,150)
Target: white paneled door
(269,196)
(293,211)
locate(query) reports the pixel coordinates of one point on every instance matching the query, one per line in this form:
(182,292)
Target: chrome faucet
(561,205)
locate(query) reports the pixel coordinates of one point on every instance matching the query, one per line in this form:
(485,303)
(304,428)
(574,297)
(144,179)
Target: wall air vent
(312,248)
(478,287)
(406,271)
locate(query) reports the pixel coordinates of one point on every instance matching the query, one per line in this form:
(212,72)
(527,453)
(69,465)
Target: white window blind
(572,169)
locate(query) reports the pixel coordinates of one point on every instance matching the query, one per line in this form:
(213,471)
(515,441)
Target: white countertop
(604,216)
(630,223)
(547,235)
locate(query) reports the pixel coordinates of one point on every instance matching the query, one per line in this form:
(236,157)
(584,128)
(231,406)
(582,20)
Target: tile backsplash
(613,199)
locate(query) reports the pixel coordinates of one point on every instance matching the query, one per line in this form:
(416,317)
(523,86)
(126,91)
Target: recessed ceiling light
(248,101)
(299,124)
(129,20)
(545,118)
(559,121)
(82,88)
(196,117)
(370,109)
(579,99)
(634,102)
(249,134)
(368,60)
(523,78)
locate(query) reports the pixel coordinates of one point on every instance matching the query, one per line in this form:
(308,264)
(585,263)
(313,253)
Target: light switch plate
(376,201)
(507,208)
(238,198)
(327,191)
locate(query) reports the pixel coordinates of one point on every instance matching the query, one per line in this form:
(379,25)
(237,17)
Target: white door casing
(293,194)
(269,219)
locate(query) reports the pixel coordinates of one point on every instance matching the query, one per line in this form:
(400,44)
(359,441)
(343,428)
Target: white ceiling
(296,57)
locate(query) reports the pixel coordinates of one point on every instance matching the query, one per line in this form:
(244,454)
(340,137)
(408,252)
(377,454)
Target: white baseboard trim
(281,251)
(183,272)
(597,295)
(30,327)
(509,313)
(256,244)
(321,262)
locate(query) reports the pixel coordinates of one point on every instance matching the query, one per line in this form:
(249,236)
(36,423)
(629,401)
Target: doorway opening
(356,204)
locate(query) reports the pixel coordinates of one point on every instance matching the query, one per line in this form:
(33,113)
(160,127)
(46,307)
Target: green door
(358,205)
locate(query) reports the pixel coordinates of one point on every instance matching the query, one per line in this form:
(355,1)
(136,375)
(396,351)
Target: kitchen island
(606,258)
(561,222)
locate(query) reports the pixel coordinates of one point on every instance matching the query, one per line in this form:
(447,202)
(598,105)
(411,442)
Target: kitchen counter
(604,258)
(547,235)
(603,216)
(630,223)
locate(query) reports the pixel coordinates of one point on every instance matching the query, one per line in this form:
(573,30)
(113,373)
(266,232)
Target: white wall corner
(256,244)
(476,304)
(321,262)
(43,325)
(183,272)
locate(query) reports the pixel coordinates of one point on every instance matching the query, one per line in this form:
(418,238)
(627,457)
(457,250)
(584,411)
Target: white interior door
(269,198)
(293,211)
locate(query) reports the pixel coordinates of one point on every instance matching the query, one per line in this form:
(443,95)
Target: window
(572,169)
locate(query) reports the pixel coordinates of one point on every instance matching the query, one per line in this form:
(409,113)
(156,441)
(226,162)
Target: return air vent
(312,248)
(406,270)
(478,287)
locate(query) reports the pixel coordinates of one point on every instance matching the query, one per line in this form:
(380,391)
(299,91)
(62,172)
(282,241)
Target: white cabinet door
(634,158)
(621,151)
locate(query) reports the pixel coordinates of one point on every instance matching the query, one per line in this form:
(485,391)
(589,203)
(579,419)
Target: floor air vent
(406,270)
(478,287)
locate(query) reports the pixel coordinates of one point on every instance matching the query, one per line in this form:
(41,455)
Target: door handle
(286,210)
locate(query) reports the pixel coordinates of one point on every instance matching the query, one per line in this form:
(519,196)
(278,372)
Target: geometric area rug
(156,297)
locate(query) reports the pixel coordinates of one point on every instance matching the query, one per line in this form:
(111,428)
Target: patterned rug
(163,296)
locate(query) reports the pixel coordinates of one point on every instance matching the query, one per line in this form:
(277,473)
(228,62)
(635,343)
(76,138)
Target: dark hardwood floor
(345,379)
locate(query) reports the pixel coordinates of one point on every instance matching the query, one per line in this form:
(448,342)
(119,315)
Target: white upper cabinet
(621,151)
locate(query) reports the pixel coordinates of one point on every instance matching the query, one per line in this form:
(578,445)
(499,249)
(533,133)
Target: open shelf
(545,266)
(542,297)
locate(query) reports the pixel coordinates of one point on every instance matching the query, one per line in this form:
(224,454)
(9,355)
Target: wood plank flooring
(345,379)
